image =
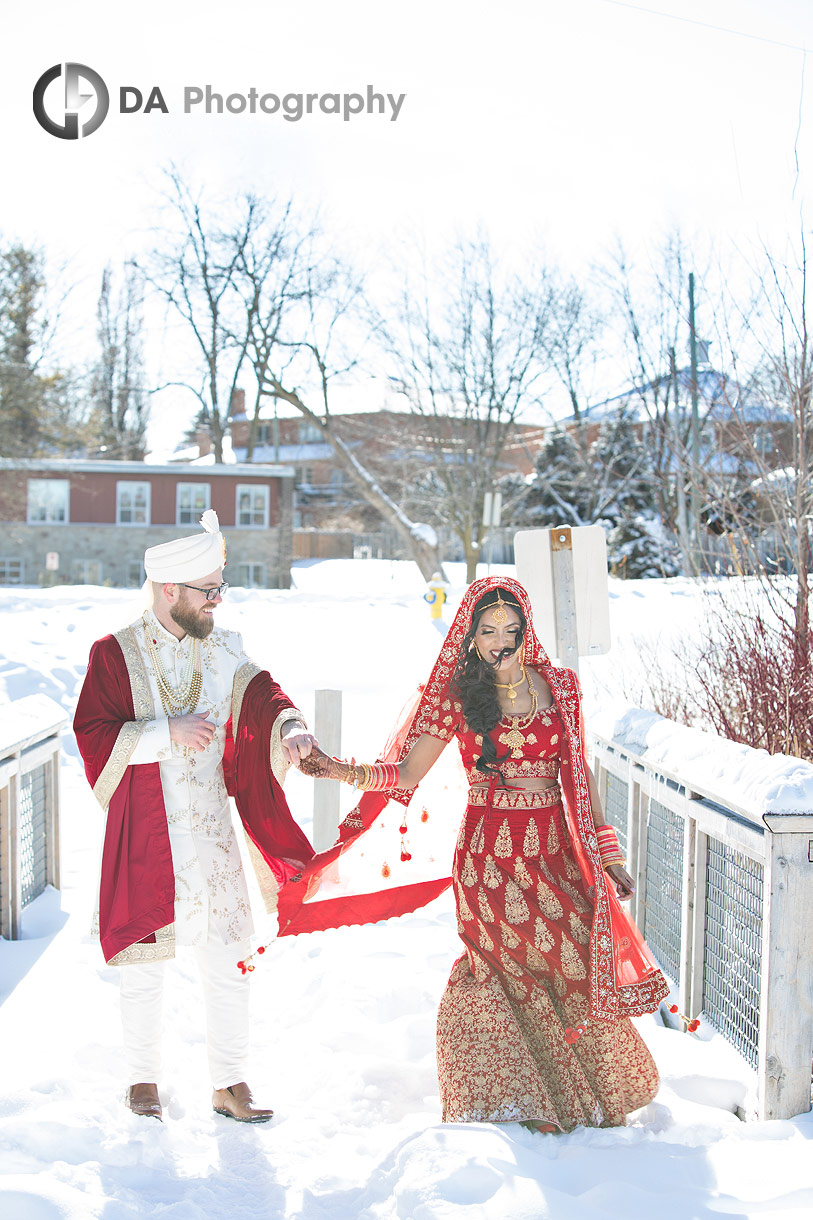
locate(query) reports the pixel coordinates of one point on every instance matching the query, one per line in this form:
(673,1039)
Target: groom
(172,718)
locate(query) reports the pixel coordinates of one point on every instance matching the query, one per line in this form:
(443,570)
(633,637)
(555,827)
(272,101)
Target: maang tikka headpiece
(500,615)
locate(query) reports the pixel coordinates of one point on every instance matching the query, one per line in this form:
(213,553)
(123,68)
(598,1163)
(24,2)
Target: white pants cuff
(225,998)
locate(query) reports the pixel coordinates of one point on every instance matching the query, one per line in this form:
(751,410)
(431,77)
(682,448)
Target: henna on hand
(321,766)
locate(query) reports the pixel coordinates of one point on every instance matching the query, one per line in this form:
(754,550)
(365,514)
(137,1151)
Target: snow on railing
(29,804)
(719,839)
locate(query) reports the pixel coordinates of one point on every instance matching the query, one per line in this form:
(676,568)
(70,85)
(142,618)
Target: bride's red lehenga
(534,1022)
(515,1038)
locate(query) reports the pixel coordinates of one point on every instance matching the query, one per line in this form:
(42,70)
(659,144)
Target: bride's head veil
(297,913)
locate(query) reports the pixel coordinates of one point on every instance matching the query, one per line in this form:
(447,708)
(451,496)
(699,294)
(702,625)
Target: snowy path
(343,1021)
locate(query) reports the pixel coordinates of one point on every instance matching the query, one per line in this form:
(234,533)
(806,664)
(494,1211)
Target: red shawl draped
(624,978)
(137,890)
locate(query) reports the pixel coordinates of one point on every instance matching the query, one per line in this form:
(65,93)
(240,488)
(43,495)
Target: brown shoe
(236,1102)
(144,1099)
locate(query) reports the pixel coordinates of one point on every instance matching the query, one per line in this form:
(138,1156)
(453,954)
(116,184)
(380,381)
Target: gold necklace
(512,687)
(513,737)
(176,700)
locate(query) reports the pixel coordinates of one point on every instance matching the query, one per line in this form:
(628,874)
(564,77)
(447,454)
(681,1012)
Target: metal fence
(723,897)
(29,805)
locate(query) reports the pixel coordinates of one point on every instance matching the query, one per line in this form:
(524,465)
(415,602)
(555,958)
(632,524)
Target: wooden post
(52,853)
(328,732)
(564,594)
(7,778)
(786,1000)
(697,944)
(687,913)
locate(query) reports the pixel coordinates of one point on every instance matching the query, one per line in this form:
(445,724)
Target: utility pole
(695,484)
(680,458)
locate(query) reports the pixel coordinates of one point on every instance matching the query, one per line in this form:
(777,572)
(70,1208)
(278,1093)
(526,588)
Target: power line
(707,25)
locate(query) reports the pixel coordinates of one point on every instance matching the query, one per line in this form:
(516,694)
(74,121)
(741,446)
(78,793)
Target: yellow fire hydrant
(435,595)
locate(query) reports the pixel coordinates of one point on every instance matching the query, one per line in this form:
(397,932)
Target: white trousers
(225,999)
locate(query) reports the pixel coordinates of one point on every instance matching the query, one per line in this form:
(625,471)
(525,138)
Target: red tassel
(385,871)
(261,949)
(425,815)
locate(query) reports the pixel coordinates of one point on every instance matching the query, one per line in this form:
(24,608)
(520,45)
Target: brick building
(98,518)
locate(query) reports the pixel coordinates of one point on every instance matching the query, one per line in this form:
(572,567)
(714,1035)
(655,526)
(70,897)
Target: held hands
(193,730)
(297,743)
(624,884)
(319,765)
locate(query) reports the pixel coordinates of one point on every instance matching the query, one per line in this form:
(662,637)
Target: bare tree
(118,390)
(305,338)
(467,353)
(195,268)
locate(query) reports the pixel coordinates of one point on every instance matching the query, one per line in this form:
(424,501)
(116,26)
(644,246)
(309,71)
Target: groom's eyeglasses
(209,594)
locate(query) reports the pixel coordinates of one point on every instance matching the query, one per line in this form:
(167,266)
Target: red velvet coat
(137,891)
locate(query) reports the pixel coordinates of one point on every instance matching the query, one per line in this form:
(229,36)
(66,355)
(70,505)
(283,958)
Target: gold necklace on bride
(183,698)
(512,687)
(514,737)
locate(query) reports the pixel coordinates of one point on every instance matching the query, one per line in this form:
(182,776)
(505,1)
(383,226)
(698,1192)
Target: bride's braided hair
(474,682)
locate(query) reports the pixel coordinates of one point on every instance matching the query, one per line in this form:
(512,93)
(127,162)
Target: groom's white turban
(188,558)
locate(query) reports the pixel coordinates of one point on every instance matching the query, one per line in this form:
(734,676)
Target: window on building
(303,476)
(309,433)
(132,503)
(264,434)
(191,502)
(251,575)
(252,505)
(48,501)
(135,573)
(86,572)
(11,571)
(337,477)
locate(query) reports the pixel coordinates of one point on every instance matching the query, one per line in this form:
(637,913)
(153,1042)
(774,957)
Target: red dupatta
(624,977)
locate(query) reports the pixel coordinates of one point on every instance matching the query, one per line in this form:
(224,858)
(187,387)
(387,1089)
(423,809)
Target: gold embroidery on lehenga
(503,847)
(572,964)
(509,936)
(559,984)
(542,936)
(468,874)
(483,904)
(521,874)
(510,965)
(553,839)
(530,845)
(536,960)
(491,874)
(486,943)
(548,903)
(478,838)
(574,895)
(579,930)
(516,908)
(463,909)
(571,867)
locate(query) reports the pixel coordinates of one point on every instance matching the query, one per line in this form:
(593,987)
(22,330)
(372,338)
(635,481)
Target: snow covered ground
(343,1020)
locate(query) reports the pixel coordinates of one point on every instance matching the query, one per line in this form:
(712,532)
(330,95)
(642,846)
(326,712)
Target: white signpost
(565,572)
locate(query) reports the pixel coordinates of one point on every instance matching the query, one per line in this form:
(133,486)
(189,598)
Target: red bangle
(609,848)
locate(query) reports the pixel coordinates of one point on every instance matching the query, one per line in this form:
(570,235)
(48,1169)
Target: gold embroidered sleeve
(279,759)
(118,762)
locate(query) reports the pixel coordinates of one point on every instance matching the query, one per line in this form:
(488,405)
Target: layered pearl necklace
(183,698)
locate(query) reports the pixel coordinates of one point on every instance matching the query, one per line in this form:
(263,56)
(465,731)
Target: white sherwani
(210,885)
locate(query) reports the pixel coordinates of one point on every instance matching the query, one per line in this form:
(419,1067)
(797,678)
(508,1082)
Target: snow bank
(736,774)
(343,1021)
